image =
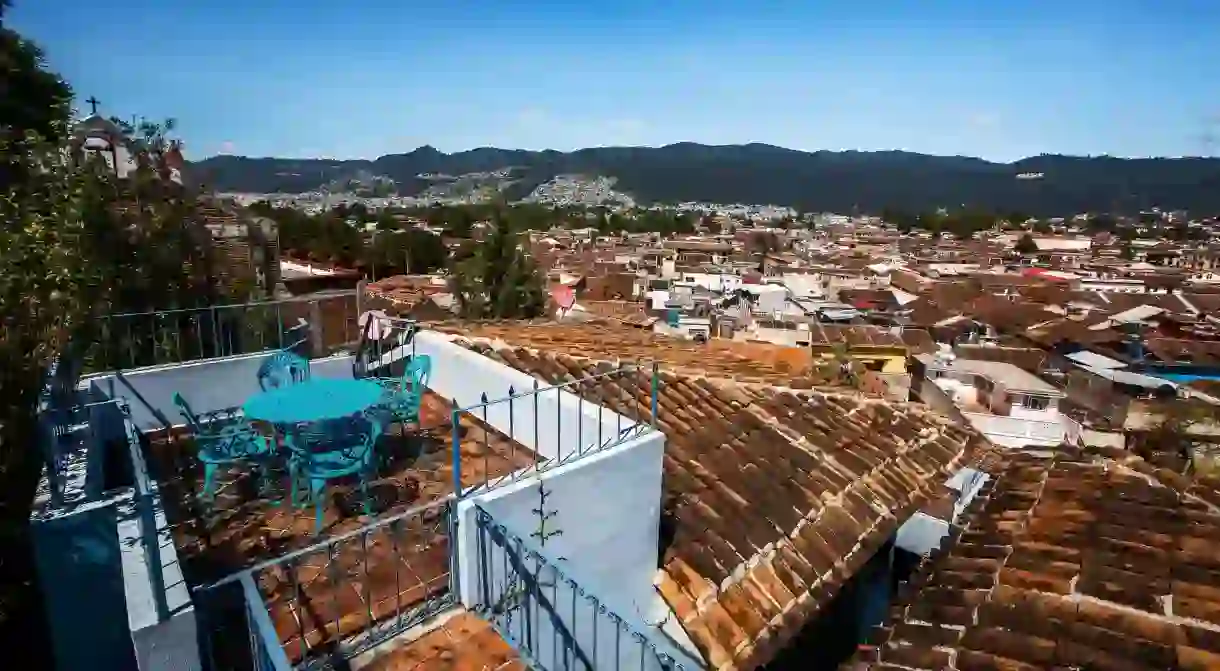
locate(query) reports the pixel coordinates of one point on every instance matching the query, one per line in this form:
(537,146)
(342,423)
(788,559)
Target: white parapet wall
(601,532)
(554,423)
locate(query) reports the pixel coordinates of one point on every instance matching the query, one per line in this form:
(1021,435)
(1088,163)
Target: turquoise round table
(313,400)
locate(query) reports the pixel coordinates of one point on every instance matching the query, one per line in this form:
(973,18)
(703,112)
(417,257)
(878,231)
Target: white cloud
(227,147)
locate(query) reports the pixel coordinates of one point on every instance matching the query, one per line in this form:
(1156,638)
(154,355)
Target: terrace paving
(464,642)
(1084,560)
(323,596)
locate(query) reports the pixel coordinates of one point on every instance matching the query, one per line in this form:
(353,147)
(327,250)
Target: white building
(1009,405)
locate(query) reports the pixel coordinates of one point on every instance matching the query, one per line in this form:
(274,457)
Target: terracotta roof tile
(1070,561)
(780,494)
(609,342)
(462,642)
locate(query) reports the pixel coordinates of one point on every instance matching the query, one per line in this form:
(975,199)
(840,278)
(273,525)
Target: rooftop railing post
(537,447)
(455,417)
(656,383)
(316,341)
(262,629)
(486,433)
(451,519)
(215,321)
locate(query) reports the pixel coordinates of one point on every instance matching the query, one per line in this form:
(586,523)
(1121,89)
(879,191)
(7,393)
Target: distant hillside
(758,173)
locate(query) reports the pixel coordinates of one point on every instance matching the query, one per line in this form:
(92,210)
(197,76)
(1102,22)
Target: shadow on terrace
(279,575)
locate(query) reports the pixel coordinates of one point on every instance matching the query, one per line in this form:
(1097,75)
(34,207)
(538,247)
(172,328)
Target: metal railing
(552,621)
(77,440)
(386,344)
(144,499)
(69,435)
(266,653)
(570,419)
(135,339)
(335,599)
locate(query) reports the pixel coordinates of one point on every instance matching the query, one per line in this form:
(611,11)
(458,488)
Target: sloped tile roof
(853,336)
(780,495)
(1193,351)
(1008,316)
(1072,561)
(612,342)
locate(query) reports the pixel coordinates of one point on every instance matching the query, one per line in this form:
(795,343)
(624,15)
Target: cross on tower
(93,102)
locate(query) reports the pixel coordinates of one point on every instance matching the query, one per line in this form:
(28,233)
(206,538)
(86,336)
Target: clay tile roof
(853,335)
(1077,560)
(1191,351)
(607,341)
(1008,316)
(779,495)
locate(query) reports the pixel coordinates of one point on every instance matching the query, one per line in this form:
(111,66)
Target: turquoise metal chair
(223,437)
(282,369)
(404,395)
(333,449)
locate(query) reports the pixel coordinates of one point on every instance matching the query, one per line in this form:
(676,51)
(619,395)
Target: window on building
(1035,402)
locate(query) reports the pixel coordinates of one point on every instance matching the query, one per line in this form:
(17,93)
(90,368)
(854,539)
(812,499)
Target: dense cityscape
(507,409)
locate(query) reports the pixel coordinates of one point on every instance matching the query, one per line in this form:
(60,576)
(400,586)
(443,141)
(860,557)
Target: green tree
(839,367)
(34,98)
(1181,432)
(1102,222)
(764,243)
(386,221)
(75,242)
(44,287)
(427,251)
(399,252)
(1026,245)
(500,280)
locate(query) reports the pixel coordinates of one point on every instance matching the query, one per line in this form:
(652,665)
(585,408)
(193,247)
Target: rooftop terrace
(555,506)
(248,572)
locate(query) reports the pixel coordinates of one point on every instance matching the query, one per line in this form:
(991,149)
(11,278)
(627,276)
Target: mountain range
(766,174)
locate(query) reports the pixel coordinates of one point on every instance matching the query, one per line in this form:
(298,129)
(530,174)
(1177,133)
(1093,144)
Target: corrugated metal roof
(1093,360)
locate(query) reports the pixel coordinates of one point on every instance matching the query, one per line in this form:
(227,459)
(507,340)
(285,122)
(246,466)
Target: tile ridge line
(769,552)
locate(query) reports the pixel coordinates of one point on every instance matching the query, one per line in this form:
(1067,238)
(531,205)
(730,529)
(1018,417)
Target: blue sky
(1001,79)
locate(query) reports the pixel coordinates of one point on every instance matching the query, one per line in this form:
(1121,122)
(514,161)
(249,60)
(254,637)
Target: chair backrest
(282,369)
(217,440)
(419,370)
(192,420)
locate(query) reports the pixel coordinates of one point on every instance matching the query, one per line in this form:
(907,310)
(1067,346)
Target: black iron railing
(337,598)
(552,621)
